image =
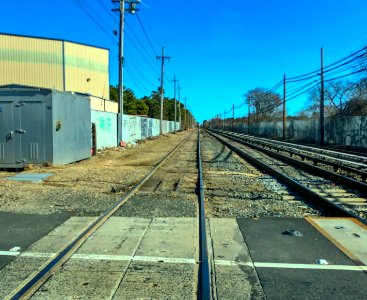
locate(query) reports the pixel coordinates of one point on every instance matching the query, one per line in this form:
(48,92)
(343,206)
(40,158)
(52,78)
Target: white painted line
(15,249)
(164,259)
(101,257)
(37,254)
(292,266)
(9,253)
(232,263)
(175,260)
(310,266)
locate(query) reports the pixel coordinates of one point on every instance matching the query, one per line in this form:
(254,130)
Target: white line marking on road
(9,253)
(175,260)
(292,266)
(311,266)
(172,260)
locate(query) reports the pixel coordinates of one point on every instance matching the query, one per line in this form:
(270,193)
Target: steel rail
(314,156)
(204,285)
(334,154)
(306,154)
(310,195)
(340,179)
(28,287)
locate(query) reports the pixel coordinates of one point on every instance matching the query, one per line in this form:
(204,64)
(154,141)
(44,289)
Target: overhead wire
(105,7)
(137,83)
(146,35)
(87,9)
(138,40)
(355,72)
(330,65)
(82,8)
(97,16)
(134,65)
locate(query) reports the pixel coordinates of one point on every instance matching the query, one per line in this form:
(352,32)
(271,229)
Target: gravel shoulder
(87,187)
(236,189)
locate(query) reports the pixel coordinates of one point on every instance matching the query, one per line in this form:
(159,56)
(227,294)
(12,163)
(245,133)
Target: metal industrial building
(54,64)
(43,126)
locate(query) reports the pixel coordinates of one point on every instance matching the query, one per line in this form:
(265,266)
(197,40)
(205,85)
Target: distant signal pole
(163,58)
(284,108)
(179,106)
(233,118)
(186,112)
(131,9)
(174,87)
(322,101)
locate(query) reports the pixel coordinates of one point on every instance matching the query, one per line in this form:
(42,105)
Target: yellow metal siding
(111,106)
(96,104)
(86,70)
(31,61)
(103,105)
(39,62)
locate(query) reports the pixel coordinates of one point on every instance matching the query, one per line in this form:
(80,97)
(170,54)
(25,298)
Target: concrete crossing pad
(349,235)
(287,265)
(235,276)
(157,258)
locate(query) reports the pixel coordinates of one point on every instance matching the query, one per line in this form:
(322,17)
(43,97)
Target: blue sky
(219,49)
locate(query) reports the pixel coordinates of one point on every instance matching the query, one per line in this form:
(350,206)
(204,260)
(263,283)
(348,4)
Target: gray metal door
(8,150)
(32,131)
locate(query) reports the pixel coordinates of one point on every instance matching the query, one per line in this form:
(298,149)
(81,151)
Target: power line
(142,55)
(104,6)
(346,63)
(303,91)
(94,20)
(146,35)
(139,41)
(335,63)
(359,71)
(135,80)
(295,91)
(138,70)
(93,12)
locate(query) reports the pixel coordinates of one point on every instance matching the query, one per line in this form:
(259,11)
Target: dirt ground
(87,187)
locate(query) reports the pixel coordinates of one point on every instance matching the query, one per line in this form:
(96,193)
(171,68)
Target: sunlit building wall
(55,64)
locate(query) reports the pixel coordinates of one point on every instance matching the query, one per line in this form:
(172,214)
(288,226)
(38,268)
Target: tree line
(149,106)
(342,98)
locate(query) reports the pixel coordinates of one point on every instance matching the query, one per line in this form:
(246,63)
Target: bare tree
(341,98)
(264,104)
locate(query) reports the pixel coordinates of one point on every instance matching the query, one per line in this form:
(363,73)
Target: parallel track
(310,195)
(342,155)
(37,279)
(317,170)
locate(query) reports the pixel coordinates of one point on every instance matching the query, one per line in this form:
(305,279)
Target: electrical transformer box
(40,126)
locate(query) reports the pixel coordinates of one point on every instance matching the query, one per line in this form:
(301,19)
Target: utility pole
(174,87)
(179,107)
(185,112)
(322,100)
(121,10)
(248,118)
(163,58)
(233,118)
(224,120)
(284,108)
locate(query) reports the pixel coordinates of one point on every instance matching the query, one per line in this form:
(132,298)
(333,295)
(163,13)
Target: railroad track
(322,192)
(353,166)
(203,274)
(349,156)
(310,162)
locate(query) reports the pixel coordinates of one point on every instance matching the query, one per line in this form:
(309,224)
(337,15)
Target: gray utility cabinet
(43,126)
